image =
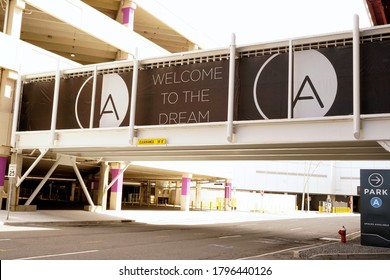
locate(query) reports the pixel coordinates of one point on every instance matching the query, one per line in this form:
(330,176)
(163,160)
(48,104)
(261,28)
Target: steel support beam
(19,181)
(76,170)
(43,182)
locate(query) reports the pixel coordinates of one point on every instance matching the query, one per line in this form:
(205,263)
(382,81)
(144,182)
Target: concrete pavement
(328,250)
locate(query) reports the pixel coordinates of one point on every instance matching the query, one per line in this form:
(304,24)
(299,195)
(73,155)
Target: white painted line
(330,239)
(229,236)
(5,239)
(221,246)
(297,228)
(59,255)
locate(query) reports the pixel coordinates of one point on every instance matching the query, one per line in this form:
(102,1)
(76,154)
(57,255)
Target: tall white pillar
(12,26)
(128,13)
(228,194)
(185,192)
(198,195)
(117,187)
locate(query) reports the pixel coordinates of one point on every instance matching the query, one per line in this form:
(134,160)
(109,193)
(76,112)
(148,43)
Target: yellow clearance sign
(154,141)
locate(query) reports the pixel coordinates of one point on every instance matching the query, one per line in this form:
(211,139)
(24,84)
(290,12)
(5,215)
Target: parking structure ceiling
(49,33)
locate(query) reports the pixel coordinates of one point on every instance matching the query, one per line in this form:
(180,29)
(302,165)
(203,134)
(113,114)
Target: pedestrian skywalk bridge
(323,97)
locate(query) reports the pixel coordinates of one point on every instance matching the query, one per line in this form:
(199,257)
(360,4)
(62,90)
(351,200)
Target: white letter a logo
(114,101)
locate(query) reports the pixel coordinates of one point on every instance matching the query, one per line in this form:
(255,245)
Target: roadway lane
(248,240)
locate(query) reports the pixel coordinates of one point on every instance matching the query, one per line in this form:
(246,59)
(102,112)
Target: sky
(210,23)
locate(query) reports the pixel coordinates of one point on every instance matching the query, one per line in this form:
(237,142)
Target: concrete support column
(141,194)
(72,192)
(198,195)
(177,193)
(117,187)
(128,13)
(95,189)
(12,27)
(103,182)
(351,203)
(185,192)
(228,194)
(7,92)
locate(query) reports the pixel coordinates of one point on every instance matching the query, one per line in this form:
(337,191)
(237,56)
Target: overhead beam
(377,12)
(96,24)
(111,6)
(67,49)
(11,48)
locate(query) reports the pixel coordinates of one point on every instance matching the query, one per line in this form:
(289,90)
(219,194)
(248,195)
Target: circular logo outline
(333,74)
(380,179)
(375,198)
(76,103)
(255,85)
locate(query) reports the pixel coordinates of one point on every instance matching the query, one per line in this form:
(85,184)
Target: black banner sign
(322,84)
(192,93)
(198,93)
(112,103)
(375,77)
(37,104)
(375,207)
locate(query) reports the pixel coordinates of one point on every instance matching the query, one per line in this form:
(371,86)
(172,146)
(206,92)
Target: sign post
(375,207)
(11,177)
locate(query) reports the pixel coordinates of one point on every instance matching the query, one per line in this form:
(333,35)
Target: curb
(354,256)
(66,223)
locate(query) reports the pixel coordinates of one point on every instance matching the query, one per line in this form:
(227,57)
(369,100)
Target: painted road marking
(221,246)
(298,228)
(59,255)
(229,236)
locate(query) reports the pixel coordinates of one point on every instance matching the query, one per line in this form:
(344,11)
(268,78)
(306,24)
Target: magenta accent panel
(128,15)
(228,190)
(3,166)
(118,185)
(185,186)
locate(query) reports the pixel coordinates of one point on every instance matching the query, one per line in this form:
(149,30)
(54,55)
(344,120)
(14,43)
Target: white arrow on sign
(375,179)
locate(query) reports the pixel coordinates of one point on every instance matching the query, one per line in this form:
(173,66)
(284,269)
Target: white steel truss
(356,136)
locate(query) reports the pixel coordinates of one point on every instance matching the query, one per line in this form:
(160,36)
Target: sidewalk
(151,216)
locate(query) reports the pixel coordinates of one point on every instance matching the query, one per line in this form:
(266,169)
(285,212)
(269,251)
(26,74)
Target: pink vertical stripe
(228,190)
(118,185)
(3,166)
(128,15)
(185,186)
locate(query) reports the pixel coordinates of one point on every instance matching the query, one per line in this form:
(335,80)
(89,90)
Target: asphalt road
(124,241)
